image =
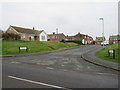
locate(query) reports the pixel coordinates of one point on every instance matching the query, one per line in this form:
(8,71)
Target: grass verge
(103,53)
(11,47)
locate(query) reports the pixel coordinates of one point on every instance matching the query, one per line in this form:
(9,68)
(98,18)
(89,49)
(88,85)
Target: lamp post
(102,19)
(112,38)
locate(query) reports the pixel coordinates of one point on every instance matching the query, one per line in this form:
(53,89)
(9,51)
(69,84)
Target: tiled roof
(26,30)
(55,34)
(115,36)
(99,37)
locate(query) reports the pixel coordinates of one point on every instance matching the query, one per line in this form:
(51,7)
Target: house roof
(115,36)
(99,37)
(56,34)
(26,30)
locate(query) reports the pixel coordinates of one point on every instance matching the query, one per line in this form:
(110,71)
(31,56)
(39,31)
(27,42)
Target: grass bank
(11,47)
(103,53)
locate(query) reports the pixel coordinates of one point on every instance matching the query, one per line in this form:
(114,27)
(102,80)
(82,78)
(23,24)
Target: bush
(10,36)
(75,41)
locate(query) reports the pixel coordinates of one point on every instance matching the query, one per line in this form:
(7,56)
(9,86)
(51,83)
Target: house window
(43,37)
(22,35)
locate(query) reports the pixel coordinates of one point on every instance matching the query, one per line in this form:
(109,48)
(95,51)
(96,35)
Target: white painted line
(39,83)
(49,68)
(15,62)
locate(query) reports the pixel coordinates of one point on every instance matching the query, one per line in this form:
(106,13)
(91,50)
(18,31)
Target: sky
(69,16)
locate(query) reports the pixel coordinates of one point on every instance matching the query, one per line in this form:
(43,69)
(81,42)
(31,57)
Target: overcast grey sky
(69,17)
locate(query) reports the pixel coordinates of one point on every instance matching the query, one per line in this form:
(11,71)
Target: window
(22,35)
(42,37)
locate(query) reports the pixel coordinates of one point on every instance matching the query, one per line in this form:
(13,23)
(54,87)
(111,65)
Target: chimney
(56,30)
(53,32)
(33,28)
(78,32)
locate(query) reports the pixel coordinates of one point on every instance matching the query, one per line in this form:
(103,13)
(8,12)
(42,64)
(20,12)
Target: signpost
(25,48)
(111,51)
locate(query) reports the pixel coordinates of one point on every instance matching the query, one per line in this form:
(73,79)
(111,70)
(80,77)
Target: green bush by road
(103,53)
(10,47)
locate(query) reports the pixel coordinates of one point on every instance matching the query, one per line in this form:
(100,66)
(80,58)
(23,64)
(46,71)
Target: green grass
(103,53)
(11,47)
(0,46)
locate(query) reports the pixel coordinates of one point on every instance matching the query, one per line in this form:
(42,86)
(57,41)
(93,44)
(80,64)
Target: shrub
(10,36)
(75,41)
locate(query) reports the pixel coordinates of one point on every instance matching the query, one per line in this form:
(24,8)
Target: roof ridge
(24,28)
(20,27)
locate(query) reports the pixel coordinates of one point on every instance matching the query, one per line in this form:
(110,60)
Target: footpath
(90,57)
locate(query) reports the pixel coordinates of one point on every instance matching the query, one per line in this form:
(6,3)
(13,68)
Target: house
(28,34)
(114,39)
(99,40)
(85,39)
(1,32)
(56,37)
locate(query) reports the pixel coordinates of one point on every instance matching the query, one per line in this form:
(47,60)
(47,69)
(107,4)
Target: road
(63,69)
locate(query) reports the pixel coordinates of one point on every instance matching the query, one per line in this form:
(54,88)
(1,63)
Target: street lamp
(102,19)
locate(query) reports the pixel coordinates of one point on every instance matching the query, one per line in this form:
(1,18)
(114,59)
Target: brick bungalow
(28,34)
(99,40)
(80,37)
(114,39)
(56,37)
(1,32)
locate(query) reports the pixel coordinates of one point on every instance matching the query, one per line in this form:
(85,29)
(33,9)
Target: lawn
(0,46)
(11,47)
(103,53)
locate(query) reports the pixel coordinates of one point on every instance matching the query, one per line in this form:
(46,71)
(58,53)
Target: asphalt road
(64,69)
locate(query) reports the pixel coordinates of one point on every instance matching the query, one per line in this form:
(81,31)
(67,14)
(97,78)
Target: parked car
(105,43)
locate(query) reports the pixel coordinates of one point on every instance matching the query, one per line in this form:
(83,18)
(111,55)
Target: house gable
(12,30)
(43,36)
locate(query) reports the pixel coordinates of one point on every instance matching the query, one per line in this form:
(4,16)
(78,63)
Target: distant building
(85,39)
(28,34)
(56,37)
(99,40)
(114,39)
(1,32)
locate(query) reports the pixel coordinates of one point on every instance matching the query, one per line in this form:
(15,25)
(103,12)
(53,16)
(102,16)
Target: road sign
(23,47)
(26,48)
(112,51)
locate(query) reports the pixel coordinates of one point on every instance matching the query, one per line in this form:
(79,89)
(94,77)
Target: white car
(105,43)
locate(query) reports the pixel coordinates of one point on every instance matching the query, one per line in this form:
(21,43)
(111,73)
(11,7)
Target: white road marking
(39,83)
(107,74)
(15,62)
(49,68)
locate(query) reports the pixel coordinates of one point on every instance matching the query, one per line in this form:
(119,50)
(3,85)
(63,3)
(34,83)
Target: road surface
(64,69)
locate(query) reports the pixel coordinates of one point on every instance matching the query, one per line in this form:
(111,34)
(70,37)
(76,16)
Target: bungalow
(114,39)
(80,37)
(28,34)
(56,37)
(99,40)
(1,32)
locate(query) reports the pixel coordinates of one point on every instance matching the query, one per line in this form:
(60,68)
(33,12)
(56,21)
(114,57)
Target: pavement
(90,57)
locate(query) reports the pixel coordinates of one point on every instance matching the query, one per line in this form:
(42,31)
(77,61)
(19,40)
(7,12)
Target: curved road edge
(39,53)
(86,56)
